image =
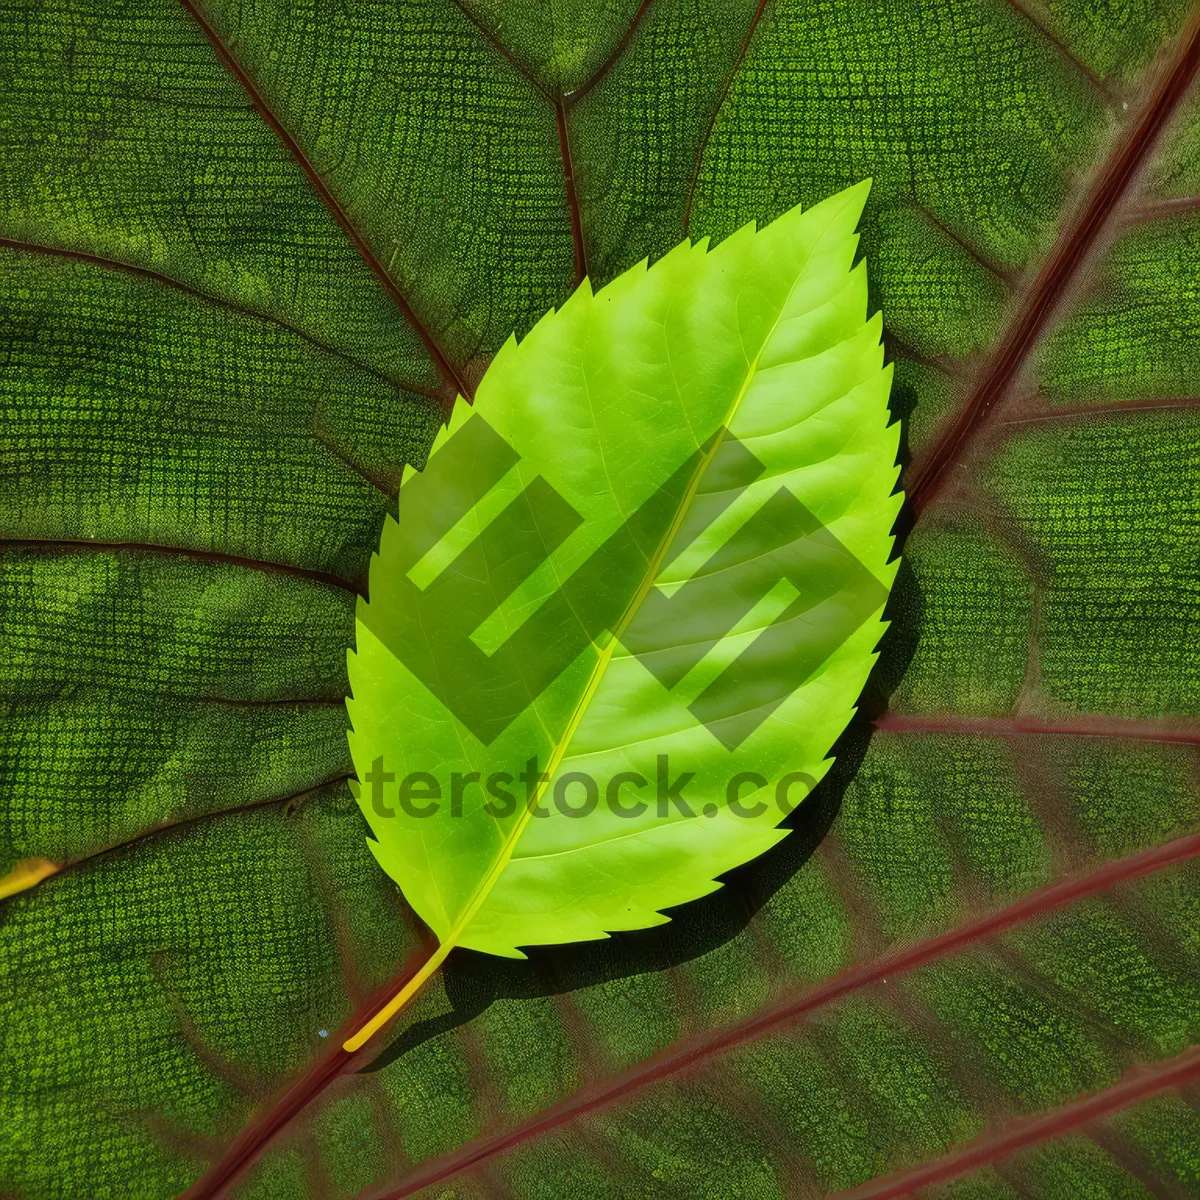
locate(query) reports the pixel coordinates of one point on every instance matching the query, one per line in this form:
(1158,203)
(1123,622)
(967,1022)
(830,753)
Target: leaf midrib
(653,568)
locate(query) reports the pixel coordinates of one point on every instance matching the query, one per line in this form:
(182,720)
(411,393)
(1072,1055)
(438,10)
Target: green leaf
(248,252)
(673,503)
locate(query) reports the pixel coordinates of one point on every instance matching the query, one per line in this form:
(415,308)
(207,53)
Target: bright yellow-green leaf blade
(631,601)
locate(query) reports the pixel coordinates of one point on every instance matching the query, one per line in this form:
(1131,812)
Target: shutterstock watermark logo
(626,794)
(827,592)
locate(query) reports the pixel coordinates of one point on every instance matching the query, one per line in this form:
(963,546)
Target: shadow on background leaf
(473,981)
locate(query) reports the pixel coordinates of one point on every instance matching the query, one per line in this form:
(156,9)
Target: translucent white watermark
(626,794)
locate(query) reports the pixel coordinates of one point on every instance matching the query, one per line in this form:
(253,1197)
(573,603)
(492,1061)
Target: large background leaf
(245,248)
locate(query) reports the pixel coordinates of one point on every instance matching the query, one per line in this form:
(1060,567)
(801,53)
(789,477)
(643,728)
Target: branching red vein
(1083,726)
(560,105)
(572,98)
(897,347)
(86,545)
(250,1143)
(1061,268)
(972,252)
(112,264)
(143,273)
(519,64)
(441,362)
(1137,1084)
(1173,207)
(699,1051)
(1083,412)
(1101,87)
(564,141)
(171,827)
(702,149)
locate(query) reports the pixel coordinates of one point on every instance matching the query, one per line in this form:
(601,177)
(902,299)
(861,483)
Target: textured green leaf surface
(214,219)
(706,422)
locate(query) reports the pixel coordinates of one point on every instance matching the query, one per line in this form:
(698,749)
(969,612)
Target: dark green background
(207,399)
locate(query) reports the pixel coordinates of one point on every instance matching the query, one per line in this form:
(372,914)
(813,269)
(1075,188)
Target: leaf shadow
(473,981)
